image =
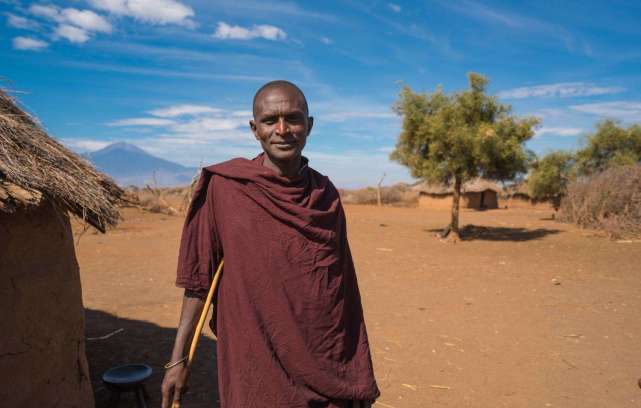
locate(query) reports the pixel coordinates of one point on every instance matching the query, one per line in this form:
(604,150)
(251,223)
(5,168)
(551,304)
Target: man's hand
(173,385)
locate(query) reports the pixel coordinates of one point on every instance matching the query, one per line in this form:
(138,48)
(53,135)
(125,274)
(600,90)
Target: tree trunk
(456,199)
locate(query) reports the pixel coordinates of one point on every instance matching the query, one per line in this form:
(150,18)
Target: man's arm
(175,377)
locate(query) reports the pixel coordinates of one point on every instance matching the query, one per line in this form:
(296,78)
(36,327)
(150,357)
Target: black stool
(127,378)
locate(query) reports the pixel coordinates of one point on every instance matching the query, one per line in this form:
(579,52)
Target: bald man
(288,316)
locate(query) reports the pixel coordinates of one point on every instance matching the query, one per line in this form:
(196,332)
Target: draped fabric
(288,317)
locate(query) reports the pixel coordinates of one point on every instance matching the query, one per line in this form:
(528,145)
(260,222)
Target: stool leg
(140,397)
(145,393)
(114,399)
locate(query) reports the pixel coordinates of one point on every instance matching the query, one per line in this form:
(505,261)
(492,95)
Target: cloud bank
(560,90)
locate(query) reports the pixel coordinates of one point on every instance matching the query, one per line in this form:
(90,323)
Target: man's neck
(287,169)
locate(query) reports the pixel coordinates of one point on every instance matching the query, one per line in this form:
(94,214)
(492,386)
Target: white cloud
(86,19)
(561,90)
(394,7)
(149,11)
(326,40)
(192,122)
(49,12)
(21,22)
(143,122)
(30,44)
(183,110)
(627,111)
(560,131)
(72,33)
(225,31)
(74,25)
(342,116)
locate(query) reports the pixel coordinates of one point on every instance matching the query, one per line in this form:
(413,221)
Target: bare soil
(524,312)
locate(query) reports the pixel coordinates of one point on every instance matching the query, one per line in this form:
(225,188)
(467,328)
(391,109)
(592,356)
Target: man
(289,318)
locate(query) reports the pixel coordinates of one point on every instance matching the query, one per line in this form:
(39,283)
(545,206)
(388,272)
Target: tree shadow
(145,342)
(483,233)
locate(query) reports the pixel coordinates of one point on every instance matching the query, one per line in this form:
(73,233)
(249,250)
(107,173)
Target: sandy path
(476,324)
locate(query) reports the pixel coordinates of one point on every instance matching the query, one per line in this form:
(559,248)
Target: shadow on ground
(144,342)
(482,233)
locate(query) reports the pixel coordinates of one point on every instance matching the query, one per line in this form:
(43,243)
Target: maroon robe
(289,315)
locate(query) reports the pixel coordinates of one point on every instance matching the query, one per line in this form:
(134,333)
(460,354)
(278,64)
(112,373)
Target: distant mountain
(130,165)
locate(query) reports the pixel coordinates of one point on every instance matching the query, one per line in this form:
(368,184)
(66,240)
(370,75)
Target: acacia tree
(550,177)
(611,145)
(451,138)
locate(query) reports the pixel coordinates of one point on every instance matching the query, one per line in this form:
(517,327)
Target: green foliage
(550,177)
(611,145)
(461,135)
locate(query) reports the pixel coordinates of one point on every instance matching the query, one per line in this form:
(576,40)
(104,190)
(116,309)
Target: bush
(610,201)
(399,195)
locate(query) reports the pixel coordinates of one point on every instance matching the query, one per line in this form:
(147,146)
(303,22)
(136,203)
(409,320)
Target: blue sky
(176,77)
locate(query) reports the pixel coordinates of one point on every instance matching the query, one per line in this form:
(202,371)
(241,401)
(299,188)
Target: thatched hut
(478,194)
(43,360)
(518,196)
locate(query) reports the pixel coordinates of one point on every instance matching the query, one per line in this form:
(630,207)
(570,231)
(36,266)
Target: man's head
(281,121)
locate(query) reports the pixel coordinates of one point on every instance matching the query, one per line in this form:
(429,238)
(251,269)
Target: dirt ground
(527,313)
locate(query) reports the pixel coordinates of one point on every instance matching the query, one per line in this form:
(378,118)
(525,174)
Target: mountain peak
(120,146)
(129,164)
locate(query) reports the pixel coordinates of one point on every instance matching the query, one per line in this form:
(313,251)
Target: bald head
(279,85)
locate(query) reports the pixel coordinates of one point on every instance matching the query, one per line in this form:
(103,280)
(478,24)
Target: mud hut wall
(468,201)
(472,200)
(42,316)
(491,199)
(484,199)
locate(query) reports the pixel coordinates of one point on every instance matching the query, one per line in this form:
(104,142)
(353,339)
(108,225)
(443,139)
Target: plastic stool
(127,378)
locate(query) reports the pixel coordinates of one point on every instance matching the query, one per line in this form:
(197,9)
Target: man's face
(281,124)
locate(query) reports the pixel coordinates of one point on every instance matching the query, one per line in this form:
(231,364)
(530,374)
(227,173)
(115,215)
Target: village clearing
(527,313)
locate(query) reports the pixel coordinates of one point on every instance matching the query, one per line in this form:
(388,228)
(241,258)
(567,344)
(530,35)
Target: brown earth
(526,313)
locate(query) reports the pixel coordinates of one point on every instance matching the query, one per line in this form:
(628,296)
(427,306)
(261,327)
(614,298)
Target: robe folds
(289,318)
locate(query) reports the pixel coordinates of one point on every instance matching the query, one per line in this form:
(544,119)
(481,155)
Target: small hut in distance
(41,313)
(478,194)
(517,196)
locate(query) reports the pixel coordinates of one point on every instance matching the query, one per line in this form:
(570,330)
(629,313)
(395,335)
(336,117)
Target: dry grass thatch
(34,166)
(472,186)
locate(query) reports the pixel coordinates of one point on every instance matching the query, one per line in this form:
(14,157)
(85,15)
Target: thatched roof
(33,166)
(472,186)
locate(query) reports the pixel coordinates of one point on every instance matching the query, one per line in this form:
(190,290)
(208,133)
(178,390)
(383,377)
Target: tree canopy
(451,138)
(611,145)
(465,135)
(550,177)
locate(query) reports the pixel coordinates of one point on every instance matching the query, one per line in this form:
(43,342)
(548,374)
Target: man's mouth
(285,145)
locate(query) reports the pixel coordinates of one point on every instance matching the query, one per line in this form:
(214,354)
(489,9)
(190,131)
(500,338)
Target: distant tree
(451,138)
(550,176)
(611,145)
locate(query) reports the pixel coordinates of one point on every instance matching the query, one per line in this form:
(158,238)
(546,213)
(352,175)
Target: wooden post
(378,191)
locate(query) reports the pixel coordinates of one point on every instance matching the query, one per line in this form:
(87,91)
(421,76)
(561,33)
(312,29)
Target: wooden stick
(201,323)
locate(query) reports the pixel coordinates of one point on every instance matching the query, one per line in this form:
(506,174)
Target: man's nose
(282,126)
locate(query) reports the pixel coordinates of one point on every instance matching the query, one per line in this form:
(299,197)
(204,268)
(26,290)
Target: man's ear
(310,122)
(252,126)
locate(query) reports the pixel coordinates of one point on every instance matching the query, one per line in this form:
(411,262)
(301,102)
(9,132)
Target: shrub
(610,201)
(399,195)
